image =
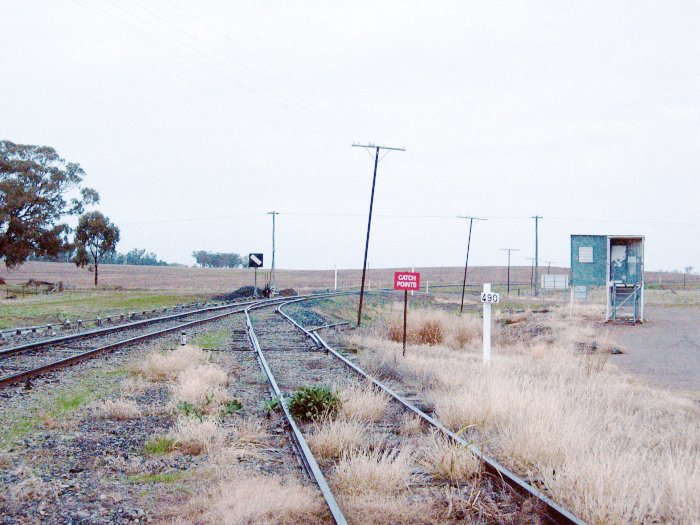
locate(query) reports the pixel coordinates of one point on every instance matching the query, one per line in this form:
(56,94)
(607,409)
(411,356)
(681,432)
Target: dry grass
(610,449)
(246,499)
(201,386)
(434,327)
(374,471)
(167,366)
(214,280)
(443,460)
(389,509)
(331,438)
(133,386)
(119,409)
(362,402)
(31,486)
(410,425)
(249,431)
(193,436)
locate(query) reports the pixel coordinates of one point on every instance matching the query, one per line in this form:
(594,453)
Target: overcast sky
(193,119)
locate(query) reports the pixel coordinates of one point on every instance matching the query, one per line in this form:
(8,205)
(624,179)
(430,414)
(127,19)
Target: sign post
(406,281)
(488,298)
(255,260)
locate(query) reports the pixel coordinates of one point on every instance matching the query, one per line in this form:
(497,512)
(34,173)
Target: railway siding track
(22,362)
(69,326)
(553,512)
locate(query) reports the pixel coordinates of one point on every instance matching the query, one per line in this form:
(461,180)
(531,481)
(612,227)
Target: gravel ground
(61,464)
(665,350)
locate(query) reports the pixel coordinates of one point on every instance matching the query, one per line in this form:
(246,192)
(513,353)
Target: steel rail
(6,333)
(55,365)
(111,329)
(554,511)
(309,460)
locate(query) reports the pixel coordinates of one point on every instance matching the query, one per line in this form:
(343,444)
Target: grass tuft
(118,409)
(159,446)
(372,471)
(330,438)
(362,402)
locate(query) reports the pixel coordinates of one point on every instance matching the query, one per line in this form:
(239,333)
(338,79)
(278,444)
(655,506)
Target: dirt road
(665,350)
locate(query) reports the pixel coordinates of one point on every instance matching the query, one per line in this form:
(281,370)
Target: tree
(688,269)
(35,184)
(95,237)
(217,260)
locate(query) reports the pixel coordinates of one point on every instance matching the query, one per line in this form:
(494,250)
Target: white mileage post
(488,298)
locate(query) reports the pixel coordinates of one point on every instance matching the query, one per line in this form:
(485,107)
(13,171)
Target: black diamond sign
(255,260)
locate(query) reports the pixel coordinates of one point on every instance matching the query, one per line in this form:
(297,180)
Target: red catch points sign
(406,281)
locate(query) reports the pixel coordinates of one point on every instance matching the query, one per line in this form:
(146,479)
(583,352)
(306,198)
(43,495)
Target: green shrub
(189,410)
(310,403)
(271,405)
(231,407)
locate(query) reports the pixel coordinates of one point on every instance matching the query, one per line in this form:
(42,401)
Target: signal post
(406,281)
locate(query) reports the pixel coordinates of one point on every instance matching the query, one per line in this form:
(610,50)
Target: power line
(402,216)
(211,64)
(260,58)
(193,219)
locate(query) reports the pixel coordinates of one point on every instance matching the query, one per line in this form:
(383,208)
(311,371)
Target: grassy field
(218,280)
(551,405)
(142,287)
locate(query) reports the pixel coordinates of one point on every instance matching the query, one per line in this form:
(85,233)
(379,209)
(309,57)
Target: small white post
(571,312)
(335,286)
(487,326)
(427,287)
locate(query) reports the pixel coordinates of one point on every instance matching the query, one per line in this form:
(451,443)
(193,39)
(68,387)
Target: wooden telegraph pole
(466,264)
(537,254)
(509,250)
(369,219)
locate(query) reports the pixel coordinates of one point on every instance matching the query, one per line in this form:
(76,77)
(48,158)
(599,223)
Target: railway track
(23,362)
(21,334)
(281,344)
(293,355)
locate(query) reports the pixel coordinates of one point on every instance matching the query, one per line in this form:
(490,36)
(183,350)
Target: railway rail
(551,511)
(22,362)
(113,318)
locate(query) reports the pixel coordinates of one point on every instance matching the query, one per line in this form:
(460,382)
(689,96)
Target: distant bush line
(207,259)
(138,257)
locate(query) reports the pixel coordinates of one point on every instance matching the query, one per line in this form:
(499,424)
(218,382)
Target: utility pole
(369,219)
(532,269)
(272,268)
(466,264)
(549,265)
(537,255)
(509,250)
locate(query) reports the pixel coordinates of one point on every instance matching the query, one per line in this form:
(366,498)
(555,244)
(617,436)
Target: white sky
(194,119)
